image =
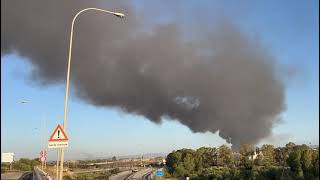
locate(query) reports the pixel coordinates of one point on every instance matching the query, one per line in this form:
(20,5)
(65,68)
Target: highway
(36,174)
(148,175)
(121,176)
(27,176)
(140,174)
(91,170)
(12,175)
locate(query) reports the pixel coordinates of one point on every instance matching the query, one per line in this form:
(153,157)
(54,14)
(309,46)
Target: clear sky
(289,28)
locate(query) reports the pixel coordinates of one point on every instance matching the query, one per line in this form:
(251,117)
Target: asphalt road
(121,176)
(148,176)
(91,170)
(26,176)
(15,175)
(140,174)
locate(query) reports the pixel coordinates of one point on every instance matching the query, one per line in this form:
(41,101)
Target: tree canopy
(289,162)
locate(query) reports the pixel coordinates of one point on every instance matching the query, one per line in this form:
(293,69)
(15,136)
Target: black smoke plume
(227,82)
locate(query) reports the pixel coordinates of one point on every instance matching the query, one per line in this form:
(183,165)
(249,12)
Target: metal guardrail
(39,174)
(36,174)
(149,175)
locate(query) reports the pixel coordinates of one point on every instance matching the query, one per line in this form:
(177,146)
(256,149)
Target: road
(140,174)
(26,176)
(148,176)
(91,170)
(121,176)
(15,175)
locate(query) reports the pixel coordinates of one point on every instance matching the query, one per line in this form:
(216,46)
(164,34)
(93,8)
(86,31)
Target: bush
(67,178)
(22,166)
(115,171)
(271,173)
(25,164)
(4,167)
(3,170)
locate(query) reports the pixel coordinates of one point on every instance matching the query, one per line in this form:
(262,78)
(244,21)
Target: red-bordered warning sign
(58,138)
(58,134)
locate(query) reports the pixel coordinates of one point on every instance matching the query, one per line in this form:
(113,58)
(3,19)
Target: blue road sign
(159,172)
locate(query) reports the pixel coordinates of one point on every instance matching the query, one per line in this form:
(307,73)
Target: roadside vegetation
(89,176)
(92,175)
(24,164)
(287,163)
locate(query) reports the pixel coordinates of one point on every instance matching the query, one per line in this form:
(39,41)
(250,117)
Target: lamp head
(120,15)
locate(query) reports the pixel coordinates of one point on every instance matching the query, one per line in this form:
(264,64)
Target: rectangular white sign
(58,144)
(7,157)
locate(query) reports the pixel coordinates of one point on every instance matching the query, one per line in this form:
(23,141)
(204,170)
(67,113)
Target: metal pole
(68,76)
(66,97)
(57,168)
(45,141)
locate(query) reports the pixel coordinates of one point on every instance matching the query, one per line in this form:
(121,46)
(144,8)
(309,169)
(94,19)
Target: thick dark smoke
(226,83)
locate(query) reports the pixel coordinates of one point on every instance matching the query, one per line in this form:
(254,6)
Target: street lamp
(117,14)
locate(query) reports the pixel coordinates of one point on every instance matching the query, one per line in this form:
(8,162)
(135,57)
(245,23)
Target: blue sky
(288,28)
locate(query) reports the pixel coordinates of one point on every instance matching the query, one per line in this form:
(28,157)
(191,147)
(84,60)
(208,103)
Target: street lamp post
(68,75)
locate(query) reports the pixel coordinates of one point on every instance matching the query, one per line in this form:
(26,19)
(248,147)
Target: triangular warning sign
(58,134)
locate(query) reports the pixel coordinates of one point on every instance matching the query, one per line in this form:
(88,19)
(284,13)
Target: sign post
(43,158)
(45,161)
(59,140)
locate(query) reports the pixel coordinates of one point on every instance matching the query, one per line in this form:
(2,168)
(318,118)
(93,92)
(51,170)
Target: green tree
(22,166)
(290,147)
(269,173)
(172,160)
(189,163)
(25,164)
(4,167)
(306,161)
(315,163)
(35,162)
(295,164)
(268,154)
(181,162)
(179,170)
(246,151)
(204,157)
(225,156)
(280,156)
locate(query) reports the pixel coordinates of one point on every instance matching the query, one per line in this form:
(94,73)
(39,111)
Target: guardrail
(39,174)
(149,175)
(36,174)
